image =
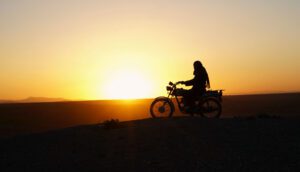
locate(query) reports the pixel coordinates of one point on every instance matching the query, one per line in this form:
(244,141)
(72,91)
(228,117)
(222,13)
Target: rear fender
(215,98)
(213,94)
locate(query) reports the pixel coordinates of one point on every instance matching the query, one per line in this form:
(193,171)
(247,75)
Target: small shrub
(250,117)
(244,117)
(266,116)
(111,124)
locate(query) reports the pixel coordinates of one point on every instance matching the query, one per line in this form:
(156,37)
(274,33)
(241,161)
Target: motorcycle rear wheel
(210,108)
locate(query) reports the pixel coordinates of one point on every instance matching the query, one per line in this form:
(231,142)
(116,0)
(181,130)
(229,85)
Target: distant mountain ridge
(34,100)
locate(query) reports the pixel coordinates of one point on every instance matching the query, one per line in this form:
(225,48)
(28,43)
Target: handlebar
(176,83)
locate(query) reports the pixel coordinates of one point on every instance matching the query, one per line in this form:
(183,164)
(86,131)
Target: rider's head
(197,65)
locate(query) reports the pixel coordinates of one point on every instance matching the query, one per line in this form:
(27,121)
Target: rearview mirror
(171,83)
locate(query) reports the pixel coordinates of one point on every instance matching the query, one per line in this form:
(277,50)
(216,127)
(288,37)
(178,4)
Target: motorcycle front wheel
(161,108)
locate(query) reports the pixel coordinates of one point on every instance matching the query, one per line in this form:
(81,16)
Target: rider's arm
(189,82)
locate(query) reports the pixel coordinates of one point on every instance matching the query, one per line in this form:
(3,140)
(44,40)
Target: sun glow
(126,84)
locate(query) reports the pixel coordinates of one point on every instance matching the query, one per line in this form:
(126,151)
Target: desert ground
(255,133)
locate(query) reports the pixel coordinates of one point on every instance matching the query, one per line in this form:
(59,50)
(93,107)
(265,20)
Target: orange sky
(83,49)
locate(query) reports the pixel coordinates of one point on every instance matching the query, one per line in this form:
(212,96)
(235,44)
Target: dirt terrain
(177,144)
(255,133)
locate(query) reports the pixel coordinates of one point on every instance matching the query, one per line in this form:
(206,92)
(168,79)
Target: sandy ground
(177,144)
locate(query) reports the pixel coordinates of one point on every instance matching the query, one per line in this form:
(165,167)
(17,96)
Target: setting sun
(127,84)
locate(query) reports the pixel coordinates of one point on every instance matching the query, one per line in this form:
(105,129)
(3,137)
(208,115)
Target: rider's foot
(189,109)
(196,109)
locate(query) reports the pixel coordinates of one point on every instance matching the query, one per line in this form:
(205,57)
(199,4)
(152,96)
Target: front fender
(163,98)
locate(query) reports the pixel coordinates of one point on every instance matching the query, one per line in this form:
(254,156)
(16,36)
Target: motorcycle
(208,105)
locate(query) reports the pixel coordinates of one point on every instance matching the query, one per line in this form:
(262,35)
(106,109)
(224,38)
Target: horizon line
(14,101)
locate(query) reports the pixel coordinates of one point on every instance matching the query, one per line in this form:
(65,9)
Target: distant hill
(6,101)
(34,100)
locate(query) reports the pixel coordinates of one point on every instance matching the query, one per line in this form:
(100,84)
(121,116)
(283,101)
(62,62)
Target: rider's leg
(189,100)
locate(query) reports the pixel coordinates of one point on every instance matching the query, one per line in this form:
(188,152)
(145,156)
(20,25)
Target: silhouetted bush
(266,116)
(262,115)
(111,124)
(250,117)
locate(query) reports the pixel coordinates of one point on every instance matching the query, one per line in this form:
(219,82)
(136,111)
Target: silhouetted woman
(199,83)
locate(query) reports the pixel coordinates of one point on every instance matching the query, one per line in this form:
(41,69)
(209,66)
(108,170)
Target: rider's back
(199,81)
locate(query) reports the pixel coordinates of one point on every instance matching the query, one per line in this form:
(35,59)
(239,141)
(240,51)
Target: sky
(104,49)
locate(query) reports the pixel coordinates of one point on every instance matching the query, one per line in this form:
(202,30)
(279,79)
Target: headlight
(169,88)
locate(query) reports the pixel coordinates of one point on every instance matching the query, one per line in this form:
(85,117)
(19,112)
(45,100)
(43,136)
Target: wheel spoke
(211,108)
(161,108)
